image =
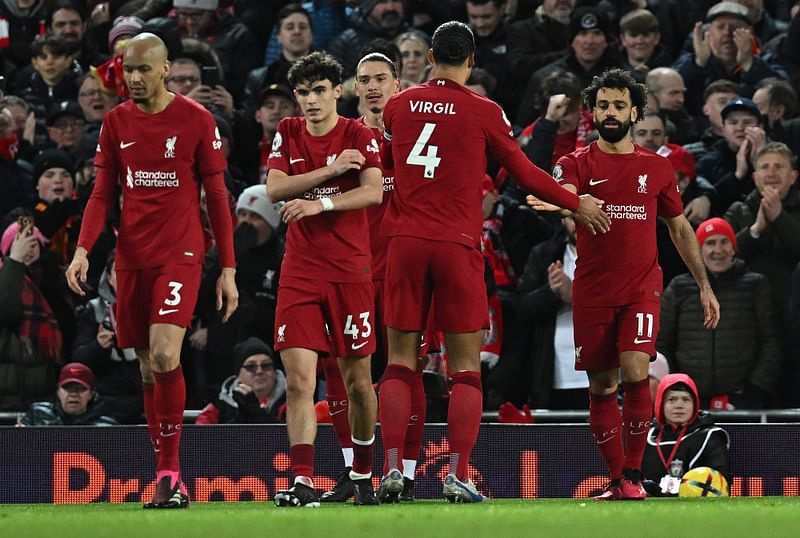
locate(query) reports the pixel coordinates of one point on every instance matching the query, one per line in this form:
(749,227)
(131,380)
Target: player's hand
(710,307)
(29,131)
(771,202)
(349,159)
(296,210)
(226,287)
(77,270)
(243,389)
(702,52)
(698,210)
(590,213)
(540,205)
(105,338)
(744,48)
(557,107)
(743,160)
(199,339)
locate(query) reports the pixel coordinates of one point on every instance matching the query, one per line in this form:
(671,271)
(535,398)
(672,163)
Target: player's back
(439,133)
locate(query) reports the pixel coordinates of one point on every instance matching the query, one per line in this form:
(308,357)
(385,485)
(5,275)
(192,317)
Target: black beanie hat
(248,348)
(588,18)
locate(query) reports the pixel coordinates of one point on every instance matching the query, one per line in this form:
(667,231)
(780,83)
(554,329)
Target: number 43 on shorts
(353,328)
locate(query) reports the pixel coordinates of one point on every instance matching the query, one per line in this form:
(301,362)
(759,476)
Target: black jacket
(719,167)
(534,43)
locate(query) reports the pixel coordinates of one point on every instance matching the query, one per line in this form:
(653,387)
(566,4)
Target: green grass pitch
(771,517)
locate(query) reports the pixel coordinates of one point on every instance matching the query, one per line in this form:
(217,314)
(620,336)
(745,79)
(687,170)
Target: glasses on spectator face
(194,16)
(254,367)
(91,93)
(183,80)
(69,124)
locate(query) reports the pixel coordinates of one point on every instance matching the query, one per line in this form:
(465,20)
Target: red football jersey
(334,245)
(620,267)
(160,160)
(439,133)
(379,243)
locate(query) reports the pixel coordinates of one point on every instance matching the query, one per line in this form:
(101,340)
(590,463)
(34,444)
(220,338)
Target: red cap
(75,372)
(715,226)
(682,161)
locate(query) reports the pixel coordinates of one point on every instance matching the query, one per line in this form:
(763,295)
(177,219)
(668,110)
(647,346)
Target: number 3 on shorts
(352,328)
(174,294)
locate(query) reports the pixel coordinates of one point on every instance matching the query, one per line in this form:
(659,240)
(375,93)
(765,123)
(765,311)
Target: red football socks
(338,404)
(395,410)
(169,399)
(302,457)
(362,456)
(636,415)
(464,420)
(606,425)
(152,421)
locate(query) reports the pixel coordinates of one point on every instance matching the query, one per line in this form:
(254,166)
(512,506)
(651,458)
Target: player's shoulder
(582,153)
(648,155)
(291,124)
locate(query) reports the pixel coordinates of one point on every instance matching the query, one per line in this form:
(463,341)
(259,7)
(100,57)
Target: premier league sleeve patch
(558,172)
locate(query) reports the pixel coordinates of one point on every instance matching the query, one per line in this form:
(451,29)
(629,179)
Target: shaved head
(145,68)
(147,43)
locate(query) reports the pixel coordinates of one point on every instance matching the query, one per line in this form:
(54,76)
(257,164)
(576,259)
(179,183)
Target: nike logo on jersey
(123,145)
(162,312)
(338,411)
(593,182)
(638,340)
(292,161)
(358,346)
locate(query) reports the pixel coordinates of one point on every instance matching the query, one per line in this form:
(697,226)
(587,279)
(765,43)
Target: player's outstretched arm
(590,211)
(282,186)
(685,241)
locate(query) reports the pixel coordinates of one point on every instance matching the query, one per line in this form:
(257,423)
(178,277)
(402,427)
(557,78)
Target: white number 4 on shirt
(430,160)
(352,328)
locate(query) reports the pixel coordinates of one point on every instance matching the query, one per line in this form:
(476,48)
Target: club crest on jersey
(373,146)
(282,333)
(330,159)
(170,143)
(558,172)
(643,184)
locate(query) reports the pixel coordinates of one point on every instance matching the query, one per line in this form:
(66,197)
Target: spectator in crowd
(776,99)
(76,403)
(65,125)
(588,54)
(274,103)
(256,394)
(69,22)
(295,34)
(259,250)
(536,41)
(667,85)
(765,27)
(728,166)
(413,46)
(739,363)
(121,31)
(767,223)
(183,77)
(94,102)
(724,51)
(116,369)
(23,19)
(380,18)
(491,53)
(565,125)
(30,336)
(51,81)
(718,94)
(641,48)
(202,82)
(24,125)
(681,438)
(651,131)
(15,183)
(230,39)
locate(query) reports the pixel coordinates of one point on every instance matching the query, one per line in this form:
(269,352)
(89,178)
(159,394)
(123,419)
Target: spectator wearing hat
(256,394)
(588,54)
(227,35)
(122,29)
(274,103)
(536,41)
(740,362)
(259,249)
(715,97)
(640,44)
(65,125)
(295,34)
(725,49)
(728,165)
(76,402)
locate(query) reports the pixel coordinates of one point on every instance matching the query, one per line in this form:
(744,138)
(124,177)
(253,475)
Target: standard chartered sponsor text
(156,178)
(318,192)
(629,212)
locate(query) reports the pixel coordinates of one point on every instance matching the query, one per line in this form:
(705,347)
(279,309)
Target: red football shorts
(450,274)
(332,318)
(165,294)
(602,333)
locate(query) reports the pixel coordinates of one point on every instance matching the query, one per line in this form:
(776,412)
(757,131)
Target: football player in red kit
(616,292)
(329,170)
(160,148)
(435,137)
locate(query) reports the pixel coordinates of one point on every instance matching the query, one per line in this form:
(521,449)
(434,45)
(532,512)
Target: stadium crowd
(722,81)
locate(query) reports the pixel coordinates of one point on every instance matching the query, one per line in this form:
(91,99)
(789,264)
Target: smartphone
(209,76)
(26,223)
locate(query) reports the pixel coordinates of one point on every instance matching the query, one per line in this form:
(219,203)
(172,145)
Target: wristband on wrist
(327,203)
